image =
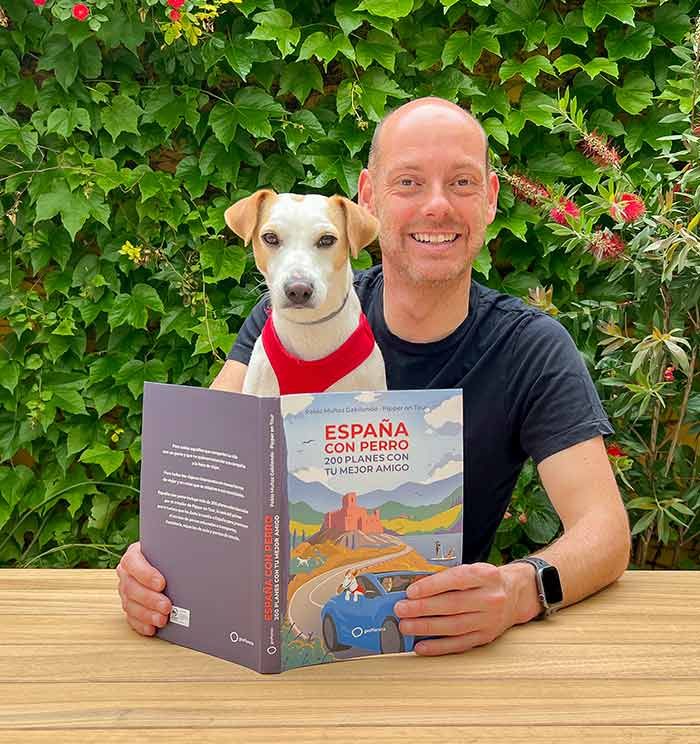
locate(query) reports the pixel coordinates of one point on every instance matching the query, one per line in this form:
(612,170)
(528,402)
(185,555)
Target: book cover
(287,528)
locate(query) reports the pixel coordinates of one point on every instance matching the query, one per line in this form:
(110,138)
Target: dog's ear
(361,226)
(242,216)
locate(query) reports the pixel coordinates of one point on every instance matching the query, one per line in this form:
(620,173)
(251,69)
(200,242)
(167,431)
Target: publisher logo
(235,638)
(357,632)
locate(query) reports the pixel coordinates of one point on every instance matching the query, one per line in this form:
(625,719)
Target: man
(526,389)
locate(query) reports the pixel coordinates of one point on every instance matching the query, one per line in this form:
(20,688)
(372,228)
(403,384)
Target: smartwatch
(548,585)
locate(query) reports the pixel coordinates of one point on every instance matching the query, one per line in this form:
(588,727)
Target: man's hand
(140,586)
(471,605)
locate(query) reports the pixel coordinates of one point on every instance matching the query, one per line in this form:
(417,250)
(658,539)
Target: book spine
(273,588)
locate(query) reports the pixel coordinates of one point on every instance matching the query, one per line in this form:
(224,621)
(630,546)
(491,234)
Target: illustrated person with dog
(526,390)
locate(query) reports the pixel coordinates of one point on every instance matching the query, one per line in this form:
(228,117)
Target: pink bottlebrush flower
(176,3)
(80,11)
(614,451)
(40,2)
(628,208)
(596,147)
(605,244)
(566,208)
(527,190)
(174,15)
(668,374)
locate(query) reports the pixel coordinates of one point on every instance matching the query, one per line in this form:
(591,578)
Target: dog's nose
(298,292)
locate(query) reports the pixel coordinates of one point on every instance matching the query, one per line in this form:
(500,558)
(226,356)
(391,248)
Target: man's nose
(298,292)
(438,205)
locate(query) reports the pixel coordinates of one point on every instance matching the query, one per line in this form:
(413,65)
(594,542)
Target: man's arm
(595,547)
(230,377)
(471,605)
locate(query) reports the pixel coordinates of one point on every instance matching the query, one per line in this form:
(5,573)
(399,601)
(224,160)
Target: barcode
(180,616)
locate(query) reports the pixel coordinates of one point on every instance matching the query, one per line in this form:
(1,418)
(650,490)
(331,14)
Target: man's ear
(242,216)
(361,226)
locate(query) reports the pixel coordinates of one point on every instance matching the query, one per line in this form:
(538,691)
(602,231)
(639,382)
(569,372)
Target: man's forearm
(589,556)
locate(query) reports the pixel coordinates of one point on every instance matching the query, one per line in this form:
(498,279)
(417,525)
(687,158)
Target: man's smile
(442,238)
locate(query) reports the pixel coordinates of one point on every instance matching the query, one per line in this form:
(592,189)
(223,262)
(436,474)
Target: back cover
(204,470)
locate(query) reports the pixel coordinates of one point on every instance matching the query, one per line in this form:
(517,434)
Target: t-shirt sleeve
(553,403)
(250,330)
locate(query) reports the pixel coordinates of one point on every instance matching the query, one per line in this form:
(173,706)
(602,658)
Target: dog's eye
(325,241)
(271,239)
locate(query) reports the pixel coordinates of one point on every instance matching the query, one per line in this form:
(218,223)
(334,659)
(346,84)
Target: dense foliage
(127,128)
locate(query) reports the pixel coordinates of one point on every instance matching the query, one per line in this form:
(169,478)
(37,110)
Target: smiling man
(526,390)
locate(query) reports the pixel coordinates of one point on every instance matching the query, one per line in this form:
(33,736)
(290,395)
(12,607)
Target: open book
(287,528)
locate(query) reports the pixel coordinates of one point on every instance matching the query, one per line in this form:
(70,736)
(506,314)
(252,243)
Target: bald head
(403,114)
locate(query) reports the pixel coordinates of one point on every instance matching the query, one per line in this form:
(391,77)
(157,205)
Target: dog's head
(302,244)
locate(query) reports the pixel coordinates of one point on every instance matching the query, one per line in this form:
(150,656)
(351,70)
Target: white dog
(317,337)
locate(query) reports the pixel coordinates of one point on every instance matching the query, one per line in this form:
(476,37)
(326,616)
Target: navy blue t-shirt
(526,390)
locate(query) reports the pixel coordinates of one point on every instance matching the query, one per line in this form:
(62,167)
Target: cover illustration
(287,528)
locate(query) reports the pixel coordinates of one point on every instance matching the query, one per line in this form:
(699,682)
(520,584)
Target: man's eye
(271,239)
(325,241)
(407,181)
(464,181)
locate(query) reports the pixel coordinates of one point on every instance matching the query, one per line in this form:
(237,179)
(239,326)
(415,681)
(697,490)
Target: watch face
(551,585)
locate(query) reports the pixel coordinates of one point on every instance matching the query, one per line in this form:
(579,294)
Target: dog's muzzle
(298,292)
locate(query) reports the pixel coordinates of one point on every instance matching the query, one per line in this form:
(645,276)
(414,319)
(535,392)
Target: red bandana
(295,375)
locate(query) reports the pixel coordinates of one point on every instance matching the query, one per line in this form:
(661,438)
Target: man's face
(431,193)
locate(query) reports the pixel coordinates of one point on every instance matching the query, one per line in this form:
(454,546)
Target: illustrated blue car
(370,622)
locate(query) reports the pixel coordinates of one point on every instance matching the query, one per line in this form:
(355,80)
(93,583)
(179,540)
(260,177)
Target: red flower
(668,374)
(596,147)
(174,15)
(629,208)
(614,451)
(605,244)
(527,190)
(566,207)
(80,11)
(176,3)
(39,2)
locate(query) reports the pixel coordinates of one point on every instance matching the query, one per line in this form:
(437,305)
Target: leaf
(121,116)
(213,335)
(303,126)
(528,70)
(633,43)
(73,209)
(300,78)
(598,65)
(595,10)
(671,22)
(253,108)
(375,88)
(567,62)
(131,309)
(494,128)
(643,522)
(276,25)
(108,459)
(387,8)
(281,171)
(377,47)
(223,122)
(194,181)
(469,46)
(227,262)
(325,49)
(636,92)
(346,17)
(136,372)
(65,121)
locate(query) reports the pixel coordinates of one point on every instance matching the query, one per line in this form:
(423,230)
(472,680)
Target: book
(288,527)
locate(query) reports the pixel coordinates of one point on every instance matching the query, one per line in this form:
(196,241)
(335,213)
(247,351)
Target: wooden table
(623,666)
